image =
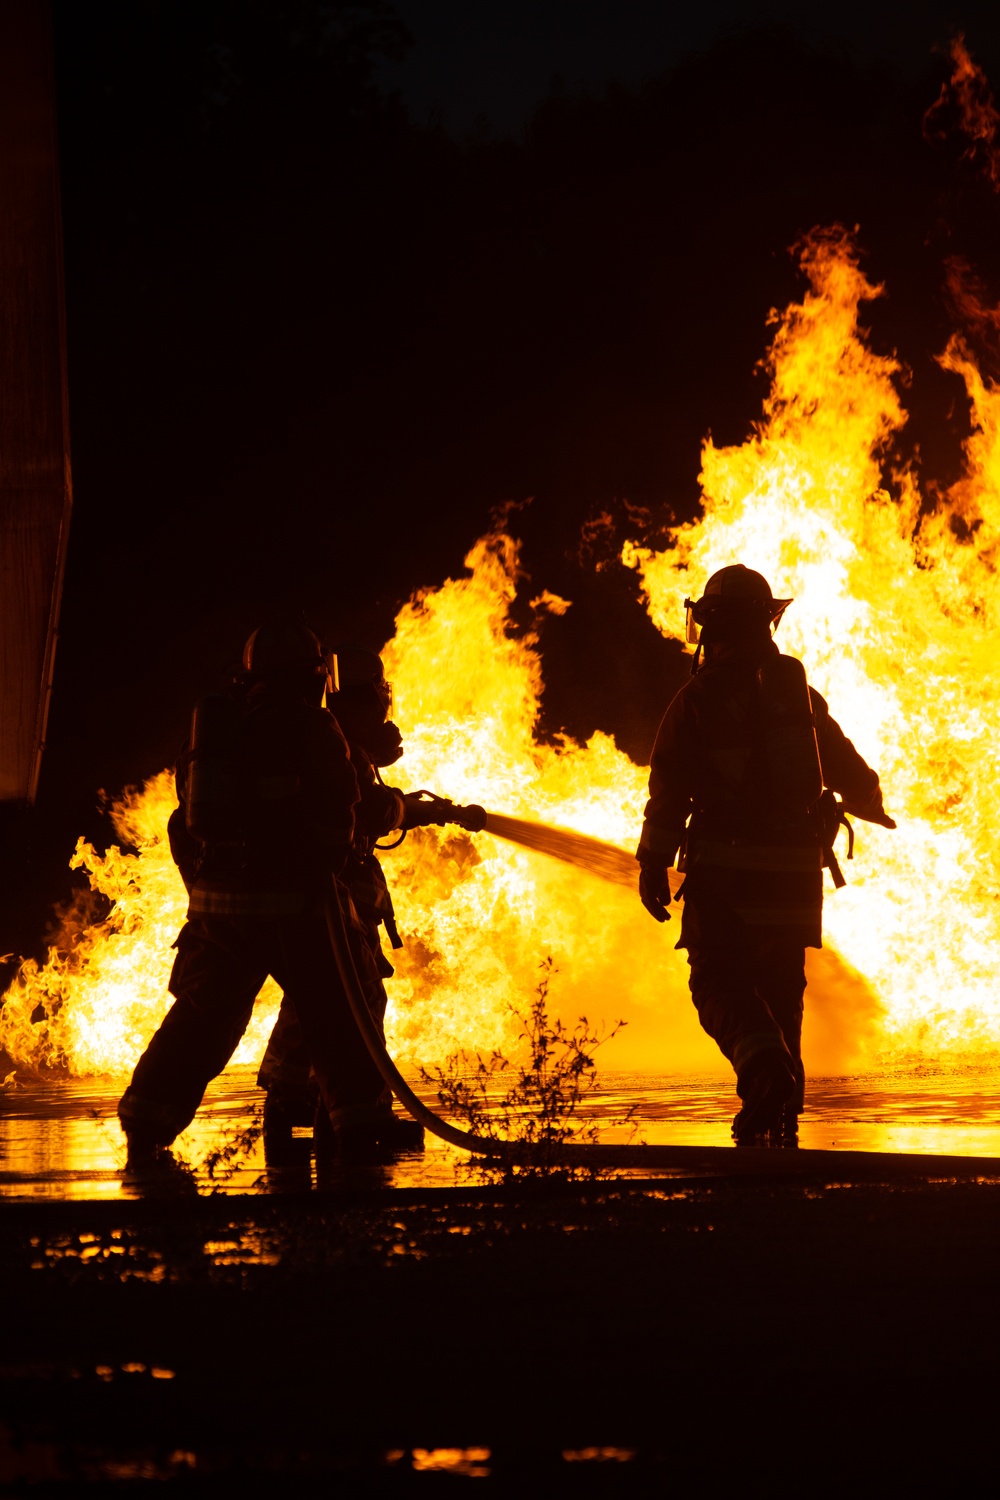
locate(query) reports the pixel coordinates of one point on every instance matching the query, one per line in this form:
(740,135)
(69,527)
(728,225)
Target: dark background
(343,279)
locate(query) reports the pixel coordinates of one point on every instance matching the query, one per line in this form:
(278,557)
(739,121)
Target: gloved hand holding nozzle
(425,809)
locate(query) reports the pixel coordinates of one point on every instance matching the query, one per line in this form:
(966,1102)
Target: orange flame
(896,619)
(92,1006)
(968,93)
(478,915)
(969,301)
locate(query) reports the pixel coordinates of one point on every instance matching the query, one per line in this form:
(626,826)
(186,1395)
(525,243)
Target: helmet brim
(697,611)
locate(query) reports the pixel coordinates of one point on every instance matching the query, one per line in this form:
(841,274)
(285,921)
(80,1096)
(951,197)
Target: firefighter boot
(324,1140)
(373,1136)
(351,1138)
(281,1149)
(401,1133)
(143,1153)
(149,1127)
(766,1085)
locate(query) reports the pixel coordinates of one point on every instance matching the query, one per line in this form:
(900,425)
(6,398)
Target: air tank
(790,733)
(214,789)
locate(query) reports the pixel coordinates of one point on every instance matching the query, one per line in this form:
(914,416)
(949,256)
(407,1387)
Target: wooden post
(35,485)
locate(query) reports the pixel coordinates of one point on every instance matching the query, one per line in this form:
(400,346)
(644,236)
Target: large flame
(92,1006)
(478,915)
(896,620)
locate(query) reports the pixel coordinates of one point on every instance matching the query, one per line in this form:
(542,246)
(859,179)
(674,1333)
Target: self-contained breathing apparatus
(216,789)
(364,701)
(213,800)
(738,604)
(351,681)
(792,754)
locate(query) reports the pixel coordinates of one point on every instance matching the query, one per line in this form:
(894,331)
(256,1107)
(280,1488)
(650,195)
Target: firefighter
(362,706)
(736,790)
(267,796)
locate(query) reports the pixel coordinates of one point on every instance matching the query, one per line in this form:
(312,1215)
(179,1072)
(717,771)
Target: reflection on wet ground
(321,1343)
(60,1139)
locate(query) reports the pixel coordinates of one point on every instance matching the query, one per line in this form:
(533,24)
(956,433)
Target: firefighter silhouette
(267,795)
(743,777)
(362,704)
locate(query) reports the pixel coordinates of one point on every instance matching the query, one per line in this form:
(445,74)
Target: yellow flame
(896,620)
(92,1006)
(478,915)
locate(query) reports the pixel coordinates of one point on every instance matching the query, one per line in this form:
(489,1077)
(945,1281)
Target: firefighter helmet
(735,598)
(284,647)
(359,668)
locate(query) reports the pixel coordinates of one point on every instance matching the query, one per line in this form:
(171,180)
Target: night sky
(341,280)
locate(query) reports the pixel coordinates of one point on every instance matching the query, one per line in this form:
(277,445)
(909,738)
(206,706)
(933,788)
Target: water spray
(608,862)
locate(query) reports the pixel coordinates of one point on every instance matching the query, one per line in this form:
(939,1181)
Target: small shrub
(539,1112)
(238,1143)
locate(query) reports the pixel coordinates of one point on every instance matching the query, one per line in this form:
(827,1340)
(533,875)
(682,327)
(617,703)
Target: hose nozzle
(425,808)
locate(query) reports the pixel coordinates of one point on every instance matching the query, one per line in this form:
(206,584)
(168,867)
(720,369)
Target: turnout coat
(716,810)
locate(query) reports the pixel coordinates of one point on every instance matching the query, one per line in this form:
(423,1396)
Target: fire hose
(591,854)
(340,943)
(615,865)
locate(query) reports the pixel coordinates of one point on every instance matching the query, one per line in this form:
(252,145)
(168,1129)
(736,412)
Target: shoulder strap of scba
(792,751)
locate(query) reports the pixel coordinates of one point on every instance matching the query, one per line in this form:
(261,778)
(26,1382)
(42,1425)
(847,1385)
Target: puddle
(60,1139)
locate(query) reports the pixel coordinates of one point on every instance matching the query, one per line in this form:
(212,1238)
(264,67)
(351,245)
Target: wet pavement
(60,1139)
(599,1338)
(255,1333)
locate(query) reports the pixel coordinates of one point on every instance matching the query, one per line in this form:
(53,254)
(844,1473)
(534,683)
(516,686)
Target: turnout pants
(285,1068)
(221,965)
(747,983)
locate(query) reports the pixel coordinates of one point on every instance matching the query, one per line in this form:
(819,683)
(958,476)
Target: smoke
(965,105)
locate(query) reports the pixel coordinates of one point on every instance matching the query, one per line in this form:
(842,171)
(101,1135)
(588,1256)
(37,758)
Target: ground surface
(59,1137)
(796,1336)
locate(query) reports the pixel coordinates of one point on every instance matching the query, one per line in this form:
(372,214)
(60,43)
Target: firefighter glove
(423,810)
(871,811)
(654,892)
